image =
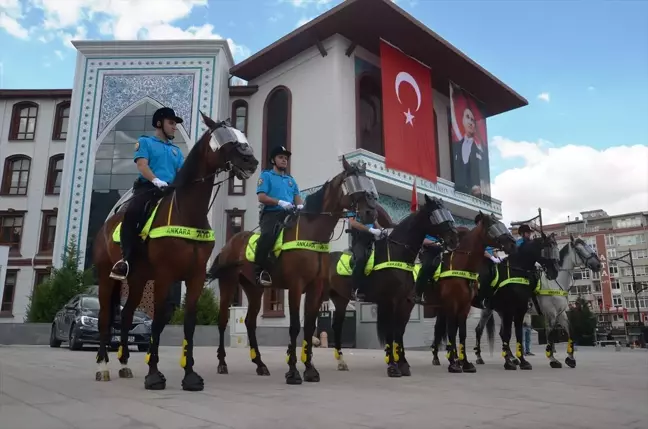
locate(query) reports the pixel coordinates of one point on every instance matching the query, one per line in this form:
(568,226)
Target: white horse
(553,295)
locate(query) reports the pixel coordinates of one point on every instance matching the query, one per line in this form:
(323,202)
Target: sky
(582,65)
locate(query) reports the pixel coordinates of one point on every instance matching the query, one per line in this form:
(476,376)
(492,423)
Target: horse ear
(345,164)
(208,121)
(428,200)
(571,238)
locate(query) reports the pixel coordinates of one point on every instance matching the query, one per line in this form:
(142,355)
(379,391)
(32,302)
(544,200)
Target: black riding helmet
(165,113)
(523,228)
(279,150)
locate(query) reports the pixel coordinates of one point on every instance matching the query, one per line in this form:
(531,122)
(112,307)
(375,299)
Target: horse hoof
(102,375)
(192,382)
(125,373)
(555,364)
(469,368)
(222,368)
(526,365)
(393,371)
(342,366)
(436,361)
(515,361)
(405,369)
(155,381)
(293,377)
(479,361)
(311,375)
(571,362)
(261,370)
(454,368)
(510,366)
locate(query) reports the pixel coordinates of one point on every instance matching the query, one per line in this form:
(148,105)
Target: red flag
(625,313)
(414,204)
(408,114)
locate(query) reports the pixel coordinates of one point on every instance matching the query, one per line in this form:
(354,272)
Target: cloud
(303,21)
(544,96)
(566,180)
(59,54)
(591,88)
(319,4)
(10,15)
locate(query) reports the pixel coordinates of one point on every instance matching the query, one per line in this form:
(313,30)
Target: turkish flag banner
(408,114)
(414,202)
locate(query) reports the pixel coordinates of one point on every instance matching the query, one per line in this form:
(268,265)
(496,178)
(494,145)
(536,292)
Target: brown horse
(452,293)
(177,247)
(392,281)
(301,267)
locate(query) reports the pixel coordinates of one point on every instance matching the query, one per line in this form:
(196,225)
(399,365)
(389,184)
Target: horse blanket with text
(344,267)
(280,246)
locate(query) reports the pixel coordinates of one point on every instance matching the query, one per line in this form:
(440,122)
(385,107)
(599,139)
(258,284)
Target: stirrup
(116,276)
(262,281)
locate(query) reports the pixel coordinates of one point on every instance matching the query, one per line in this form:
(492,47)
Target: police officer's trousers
(429,256)
(361,244)
(486,275)
(269,225)
(143,191)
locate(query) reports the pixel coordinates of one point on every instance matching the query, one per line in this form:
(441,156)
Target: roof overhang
(364,23)
(35,93)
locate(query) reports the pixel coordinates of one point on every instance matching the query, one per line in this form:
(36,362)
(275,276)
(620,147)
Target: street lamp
(635,289)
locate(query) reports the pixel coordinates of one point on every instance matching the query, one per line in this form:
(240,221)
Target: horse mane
(314,203)
(462,231)
(564,251)
(191,163)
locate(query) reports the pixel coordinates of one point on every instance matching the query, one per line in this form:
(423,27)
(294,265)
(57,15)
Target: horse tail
(384,321)
(490,331)
(215,269)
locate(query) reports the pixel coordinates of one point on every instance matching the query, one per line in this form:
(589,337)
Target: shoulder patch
(136,146)
(260,181)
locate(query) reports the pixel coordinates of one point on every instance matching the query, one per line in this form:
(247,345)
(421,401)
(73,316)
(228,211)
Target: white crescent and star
(408,78)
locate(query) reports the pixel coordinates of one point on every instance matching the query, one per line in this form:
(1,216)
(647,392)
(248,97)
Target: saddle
(147,211)
(289,220)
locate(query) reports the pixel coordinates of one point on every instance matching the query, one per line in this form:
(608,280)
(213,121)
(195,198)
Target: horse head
(545,251)
(583,254)
(496,234)
(439,221)
(353,190)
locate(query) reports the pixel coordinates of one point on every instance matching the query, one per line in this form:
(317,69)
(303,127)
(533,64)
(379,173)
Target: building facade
(317,95)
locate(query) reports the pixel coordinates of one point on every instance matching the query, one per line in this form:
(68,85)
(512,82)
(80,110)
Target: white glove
(383,233)
(159,183)
(300,206)
(375,232)
(495,259)
(285,205)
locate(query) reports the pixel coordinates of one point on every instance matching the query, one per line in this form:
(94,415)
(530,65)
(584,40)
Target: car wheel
(74,343)
(54,342)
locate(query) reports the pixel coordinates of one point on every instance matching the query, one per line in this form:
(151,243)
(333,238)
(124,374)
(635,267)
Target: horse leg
(439,334)
(466,365)
(107,289)
(294,302)
(338,322)
(505,335)
(479,330)
(227,286)
(136,284)
(155,380)
(255,295)
(519,337)
(399,345)
(191,382)
(451,348)
(563,321)
(311,307)
(550,349)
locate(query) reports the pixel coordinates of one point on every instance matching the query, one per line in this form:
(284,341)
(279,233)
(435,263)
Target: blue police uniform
(350,214)
(432,239)
(279,186)
(519,241)
(490,251)
(164,158)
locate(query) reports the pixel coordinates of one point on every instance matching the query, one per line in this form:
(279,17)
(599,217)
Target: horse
(391,275)
(552,296)
(513,283)
(178,242)
(455,285)
(301,266)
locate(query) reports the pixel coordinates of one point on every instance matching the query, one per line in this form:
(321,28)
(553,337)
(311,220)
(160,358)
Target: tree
(208,309)
(62,285)
(582,323)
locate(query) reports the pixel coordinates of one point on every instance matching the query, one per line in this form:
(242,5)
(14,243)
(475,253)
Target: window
(614,270)
(596,286)
(48,231)
(609,240)
(41,276)
(235,186)
(639,271)
(631,240)
(273,303)
(581,275)
(277,121)
(369,134)
(11,227)
(61,121)
(611,253)
(617,301)
(9,292)
(614,284)
(639,254)
(595,276)
(15,179)
(240,115)
(628,223)
(54,175)
(23,121)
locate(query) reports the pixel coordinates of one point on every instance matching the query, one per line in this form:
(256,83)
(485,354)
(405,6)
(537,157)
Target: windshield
(90,303)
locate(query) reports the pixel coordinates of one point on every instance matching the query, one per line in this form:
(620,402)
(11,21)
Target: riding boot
(359,278)
(485,288)
(268,226)
(121,268)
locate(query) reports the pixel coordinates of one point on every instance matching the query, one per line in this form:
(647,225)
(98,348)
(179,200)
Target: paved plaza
(43,388)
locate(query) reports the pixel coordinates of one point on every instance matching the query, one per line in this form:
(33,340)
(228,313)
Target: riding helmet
(279,150)
(523,228)
(165,113)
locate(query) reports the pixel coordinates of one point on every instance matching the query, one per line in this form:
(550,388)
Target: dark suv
(77,323)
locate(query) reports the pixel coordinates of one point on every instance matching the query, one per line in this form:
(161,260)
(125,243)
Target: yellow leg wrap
(120,352)
(395,352)
(570,346)
(462,352)
(253,354)
(183,358)
(387,351)
(147,358)
(337,354)
(518,350)
(304,356)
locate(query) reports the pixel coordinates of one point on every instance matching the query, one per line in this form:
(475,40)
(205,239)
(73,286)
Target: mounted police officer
(277,192)
(430,251)
(487,271)
(524,232)
(158,161)
(363,236)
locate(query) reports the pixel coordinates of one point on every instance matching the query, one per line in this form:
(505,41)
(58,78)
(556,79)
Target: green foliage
(63,284)
(208,309)
(582,323)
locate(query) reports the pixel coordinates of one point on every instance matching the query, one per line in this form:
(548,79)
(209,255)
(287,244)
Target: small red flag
(414,204)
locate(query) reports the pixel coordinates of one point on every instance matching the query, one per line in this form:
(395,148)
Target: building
(618,240)
(310,91)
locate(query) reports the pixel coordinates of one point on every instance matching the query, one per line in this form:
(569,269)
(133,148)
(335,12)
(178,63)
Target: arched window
(277,113)
(369,113)
(54,175)
(61,119)
(15,179)
(240,115)
(23,121)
